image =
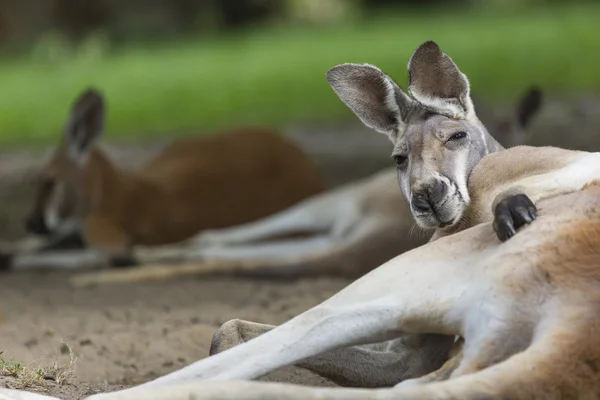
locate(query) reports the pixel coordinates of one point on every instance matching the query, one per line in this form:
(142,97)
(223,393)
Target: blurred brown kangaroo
(192,185)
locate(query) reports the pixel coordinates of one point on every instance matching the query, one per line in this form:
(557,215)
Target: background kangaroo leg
(280,249)
(334,229)
(314,215)
(65,259)
(444,372)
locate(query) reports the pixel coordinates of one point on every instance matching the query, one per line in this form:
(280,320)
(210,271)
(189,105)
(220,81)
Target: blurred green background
(177,67)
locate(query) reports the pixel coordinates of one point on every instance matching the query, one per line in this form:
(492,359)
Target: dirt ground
(124,335)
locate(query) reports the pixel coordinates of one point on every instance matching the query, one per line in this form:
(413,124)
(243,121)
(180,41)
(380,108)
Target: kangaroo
(513,273)
(355,227)
(192,185)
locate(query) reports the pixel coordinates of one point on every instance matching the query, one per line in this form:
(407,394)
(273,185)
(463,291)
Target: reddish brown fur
(568,262)
(194,184)
(568,367)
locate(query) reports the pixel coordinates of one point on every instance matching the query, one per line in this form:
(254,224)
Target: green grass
(277,76)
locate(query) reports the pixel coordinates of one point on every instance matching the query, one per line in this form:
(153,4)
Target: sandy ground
(123,335)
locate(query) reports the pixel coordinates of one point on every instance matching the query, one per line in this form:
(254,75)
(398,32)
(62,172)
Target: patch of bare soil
(124,335)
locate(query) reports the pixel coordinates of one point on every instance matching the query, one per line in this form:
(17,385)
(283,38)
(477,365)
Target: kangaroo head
(64,192)
(436,134)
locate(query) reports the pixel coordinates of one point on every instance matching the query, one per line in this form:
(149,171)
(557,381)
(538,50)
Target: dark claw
(123,262)
(511,214)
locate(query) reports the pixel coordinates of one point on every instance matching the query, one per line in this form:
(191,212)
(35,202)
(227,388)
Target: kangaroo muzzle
(436,204)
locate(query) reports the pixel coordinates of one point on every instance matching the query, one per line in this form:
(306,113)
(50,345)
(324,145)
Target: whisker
(417,232)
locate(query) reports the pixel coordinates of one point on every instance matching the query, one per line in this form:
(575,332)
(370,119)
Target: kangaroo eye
(400,160)
(458,136)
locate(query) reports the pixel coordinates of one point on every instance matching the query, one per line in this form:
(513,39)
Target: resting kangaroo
(502,298)
(193,184)
(355,227)
(526,308)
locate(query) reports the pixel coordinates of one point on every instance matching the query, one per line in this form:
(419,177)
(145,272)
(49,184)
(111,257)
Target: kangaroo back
(230,178)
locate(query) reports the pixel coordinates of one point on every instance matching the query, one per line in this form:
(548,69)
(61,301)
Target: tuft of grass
(37,377)
(276,76)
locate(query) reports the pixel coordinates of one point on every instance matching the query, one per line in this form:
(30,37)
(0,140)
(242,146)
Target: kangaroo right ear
(85,125)
(529,105)
(373,96)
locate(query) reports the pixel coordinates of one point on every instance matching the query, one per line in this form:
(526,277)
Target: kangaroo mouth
(444,224)
(442,215)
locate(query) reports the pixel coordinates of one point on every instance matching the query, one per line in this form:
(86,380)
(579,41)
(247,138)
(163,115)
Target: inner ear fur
(85,124)
(372,95)
(436,82)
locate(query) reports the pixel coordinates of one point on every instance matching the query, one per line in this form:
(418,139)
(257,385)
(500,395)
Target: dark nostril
(420,202)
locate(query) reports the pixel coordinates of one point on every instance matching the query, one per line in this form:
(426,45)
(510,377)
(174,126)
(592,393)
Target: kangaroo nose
(436,192)
(420,202)
(35,224)
(426,199)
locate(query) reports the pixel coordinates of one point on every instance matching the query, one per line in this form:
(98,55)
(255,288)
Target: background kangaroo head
(509,127)
(64,194)
(437,136)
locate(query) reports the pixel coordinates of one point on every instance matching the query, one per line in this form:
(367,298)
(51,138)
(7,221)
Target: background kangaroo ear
(529,105)
(373,96)
(435,81)
(84,125)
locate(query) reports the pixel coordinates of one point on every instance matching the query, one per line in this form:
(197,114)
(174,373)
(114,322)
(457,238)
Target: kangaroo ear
(529,105)
(84,125)
(373,96)
(435,81)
